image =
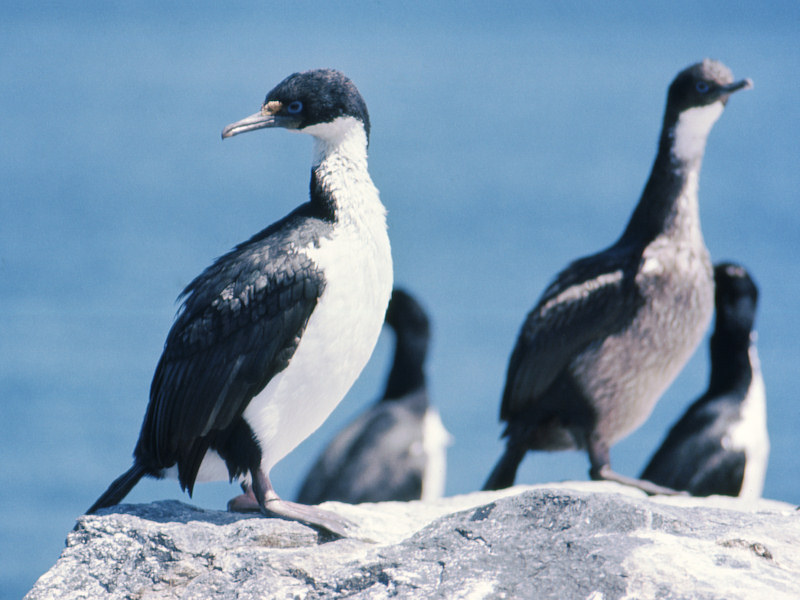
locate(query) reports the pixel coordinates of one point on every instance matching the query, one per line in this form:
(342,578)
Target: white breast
(750,434)
(435,440)
(334,348)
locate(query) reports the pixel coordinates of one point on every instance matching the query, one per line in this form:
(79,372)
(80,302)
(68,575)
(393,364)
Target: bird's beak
(744,84)
(267,117)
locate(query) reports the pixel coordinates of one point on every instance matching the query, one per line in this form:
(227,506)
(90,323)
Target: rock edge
(587,540)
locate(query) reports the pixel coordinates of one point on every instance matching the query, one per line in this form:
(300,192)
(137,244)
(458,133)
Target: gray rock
(587,540)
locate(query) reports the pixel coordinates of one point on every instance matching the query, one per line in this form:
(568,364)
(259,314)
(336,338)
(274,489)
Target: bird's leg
(600,459)
(245,502)
(270,504)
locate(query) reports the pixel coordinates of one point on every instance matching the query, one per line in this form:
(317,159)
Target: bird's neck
(407,374)
(733,359)
(669,204)
(340,181)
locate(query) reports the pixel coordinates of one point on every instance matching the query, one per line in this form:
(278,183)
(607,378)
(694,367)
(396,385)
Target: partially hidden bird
(721,444)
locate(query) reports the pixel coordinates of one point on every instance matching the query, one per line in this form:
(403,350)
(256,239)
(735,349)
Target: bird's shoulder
(694,438)
(260,278)
(585,299)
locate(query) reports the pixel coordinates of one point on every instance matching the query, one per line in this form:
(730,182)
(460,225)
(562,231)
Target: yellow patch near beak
(271,108)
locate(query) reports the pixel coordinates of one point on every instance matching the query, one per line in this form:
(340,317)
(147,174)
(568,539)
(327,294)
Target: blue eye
(295,107)
(702,87)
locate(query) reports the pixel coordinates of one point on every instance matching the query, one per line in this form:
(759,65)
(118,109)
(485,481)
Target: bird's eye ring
(295,107)
(702,87)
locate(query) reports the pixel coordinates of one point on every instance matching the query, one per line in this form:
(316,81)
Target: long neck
(731,355)
(340,181)
(407,374)
(669,204)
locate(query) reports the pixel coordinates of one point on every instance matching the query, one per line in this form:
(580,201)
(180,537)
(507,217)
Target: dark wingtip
(505,471)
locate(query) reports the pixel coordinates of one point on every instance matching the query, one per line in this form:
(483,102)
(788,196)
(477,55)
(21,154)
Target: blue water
(506,141)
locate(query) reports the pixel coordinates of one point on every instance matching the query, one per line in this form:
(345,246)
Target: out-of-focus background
(507,140)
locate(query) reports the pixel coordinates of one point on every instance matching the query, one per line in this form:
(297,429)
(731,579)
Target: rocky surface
(596,541)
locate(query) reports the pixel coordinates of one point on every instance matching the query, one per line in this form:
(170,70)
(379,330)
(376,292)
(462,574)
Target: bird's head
(407,317)
(696,99)
(321,102)
(736,297)
(703,84)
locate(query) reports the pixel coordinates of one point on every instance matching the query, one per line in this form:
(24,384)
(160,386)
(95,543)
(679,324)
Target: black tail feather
(119,488)
(505,471)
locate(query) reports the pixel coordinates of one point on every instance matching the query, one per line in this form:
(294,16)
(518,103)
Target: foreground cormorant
(613,329)
(395,450)
(272,335)
(721,445)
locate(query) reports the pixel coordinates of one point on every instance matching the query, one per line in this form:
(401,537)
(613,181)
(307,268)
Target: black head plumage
(318,96)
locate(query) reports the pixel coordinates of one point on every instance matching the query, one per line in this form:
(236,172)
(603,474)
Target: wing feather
(591,299)
(239,325)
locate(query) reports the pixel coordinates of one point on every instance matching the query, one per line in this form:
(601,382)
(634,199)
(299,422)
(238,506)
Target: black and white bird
(721,445)
(396,449)
(613,329)
(272,335)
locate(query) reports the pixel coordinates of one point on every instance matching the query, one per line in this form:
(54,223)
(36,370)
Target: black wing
(692,456)
(591,299)
(239,325)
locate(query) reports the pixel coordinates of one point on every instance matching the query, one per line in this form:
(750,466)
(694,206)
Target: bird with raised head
(613,329)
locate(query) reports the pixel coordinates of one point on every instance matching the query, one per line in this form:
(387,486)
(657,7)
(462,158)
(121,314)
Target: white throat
(340,163)
(344,137)
(690,133)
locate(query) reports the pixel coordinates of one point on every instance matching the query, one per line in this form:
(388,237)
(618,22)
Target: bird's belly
(335,346)
(627,373)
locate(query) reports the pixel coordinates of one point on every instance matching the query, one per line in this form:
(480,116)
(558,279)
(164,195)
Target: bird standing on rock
(614,329)
(395,450)
(273,334)
(720,445)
